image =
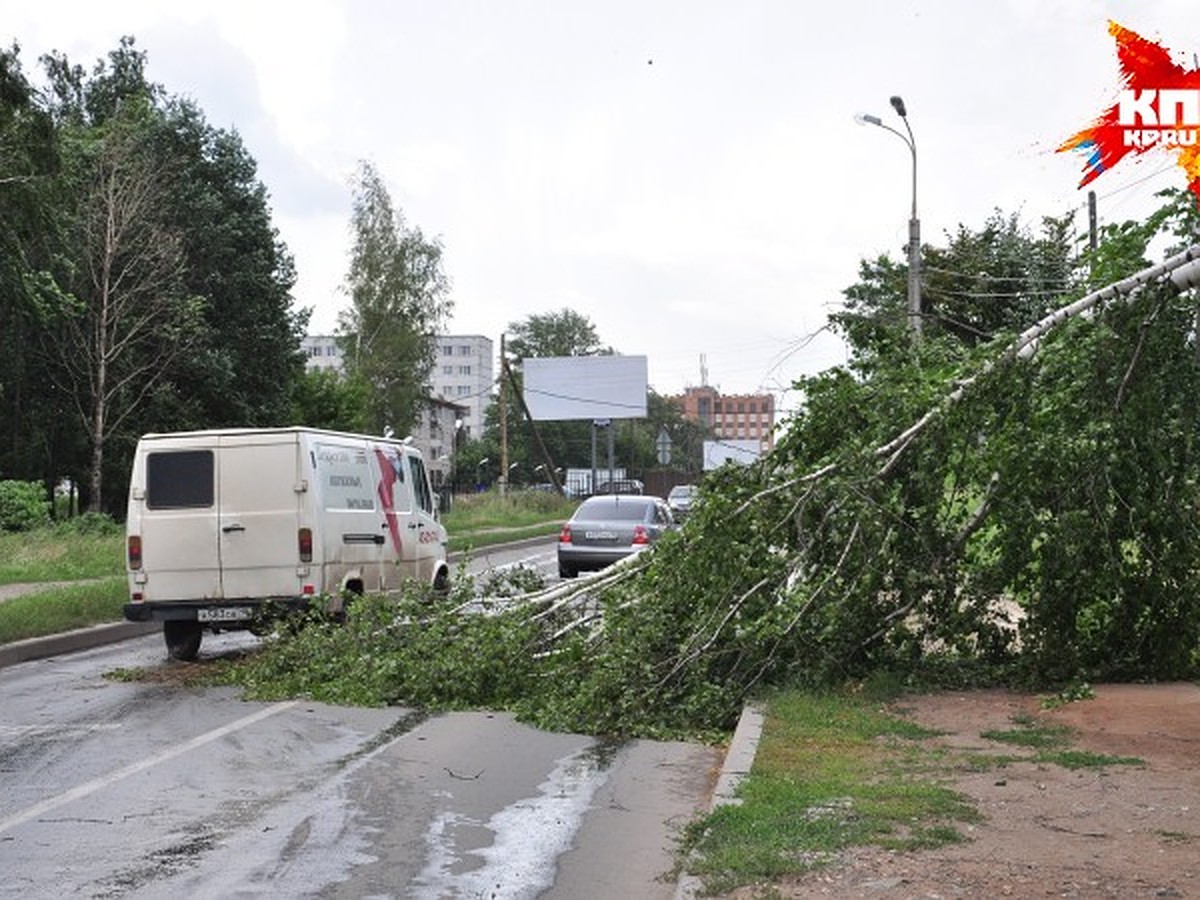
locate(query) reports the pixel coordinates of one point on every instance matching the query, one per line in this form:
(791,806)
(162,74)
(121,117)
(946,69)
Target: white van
(222,523)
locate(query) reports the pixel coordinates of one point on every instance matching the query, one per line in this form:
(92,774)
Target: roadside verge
(739,758)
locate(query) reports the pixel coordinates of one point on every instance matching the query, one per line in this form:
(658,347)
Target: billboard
(559,388)
(717,453)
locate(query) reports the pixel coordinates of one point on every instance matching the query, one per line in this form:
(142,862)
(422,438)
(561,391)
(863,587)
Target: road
(144,789)
(539,556)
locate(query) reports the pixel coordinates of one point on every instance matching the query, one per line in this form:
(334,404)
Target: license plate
(600,535)
(224,614)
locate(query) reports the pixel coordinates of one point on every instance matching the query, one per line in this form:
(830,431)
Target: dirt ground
(1047,831)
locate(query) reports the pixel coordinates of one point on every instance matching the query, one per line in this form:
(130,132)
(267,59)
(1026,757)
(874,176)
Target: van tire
(183,639)
(441,582)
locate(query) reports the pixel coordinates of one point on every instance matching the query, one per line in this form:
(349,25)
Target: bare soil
(1123,831)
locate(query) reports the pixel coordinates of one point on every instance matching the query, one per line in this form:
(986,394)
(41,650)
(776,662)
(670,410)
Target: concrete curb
(457,556)
(739,758)
(73,641)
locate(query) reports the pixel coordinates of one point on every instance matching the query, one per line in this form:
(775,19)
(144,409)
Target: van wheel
(183,639)
(441,582)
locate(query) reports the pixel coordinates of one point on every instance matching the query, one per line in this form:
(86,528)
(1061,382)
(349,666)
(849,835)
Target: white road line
(104,781)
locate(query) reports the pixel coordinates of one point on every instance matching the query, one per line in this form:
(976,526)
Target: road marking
(96,784)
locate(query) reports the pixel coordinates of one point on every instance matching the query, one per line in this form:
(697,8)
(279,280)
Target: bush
(23,505)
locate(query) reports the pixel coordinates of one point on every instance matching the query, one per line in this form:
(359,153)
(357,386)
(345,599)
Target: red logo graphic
(1158,108)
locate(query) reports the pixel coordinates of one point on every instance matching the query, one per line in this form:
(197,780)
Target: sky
(686,174)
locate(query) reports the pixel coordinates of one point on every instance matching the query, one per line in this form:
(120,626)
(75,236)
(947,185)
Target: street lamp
(914,224)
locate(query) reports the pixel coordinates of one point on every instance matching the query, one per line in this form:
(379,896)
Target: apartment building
(321,352)
(732,417)
(463,375)
(462,372)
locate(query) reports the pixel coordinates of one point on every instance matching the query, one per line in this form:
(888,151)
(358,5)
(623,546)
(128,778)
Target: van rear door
(172,510)
(260,491)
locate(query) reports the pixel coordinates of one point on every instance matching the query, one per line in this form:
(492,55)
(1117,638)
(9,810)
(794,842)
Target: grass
(481,520)
(1052,745)
(60,554)
(834,771)
(831,771)
(60,609)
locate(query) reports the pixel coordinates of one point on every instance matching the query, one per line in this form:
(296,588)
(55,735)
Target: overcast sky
(687,175)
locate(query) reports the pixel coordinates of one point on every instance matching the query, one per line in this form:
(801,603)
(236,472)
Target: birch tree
(130,318)
(398,302)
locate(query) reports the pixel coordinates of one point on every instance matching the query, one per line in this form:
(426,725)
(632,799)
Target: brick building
(732,417)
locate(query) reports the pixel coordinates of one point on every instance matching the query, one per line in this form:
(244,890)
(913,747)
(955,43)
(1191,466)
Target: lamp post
(914,224)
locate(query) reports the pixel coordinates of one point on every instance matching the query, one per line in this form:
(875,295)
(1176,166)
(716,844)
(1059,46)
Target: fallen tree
(1054,473)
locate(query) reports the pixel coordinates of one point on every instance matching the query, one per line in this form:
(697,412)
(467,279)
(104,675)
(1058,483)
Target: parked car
(680,499)
(619,486)
(605,529)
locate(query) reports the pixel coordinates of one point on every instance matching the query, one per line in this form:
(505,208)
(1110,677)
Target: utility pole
(1093,237)
(548,463)
(503,421)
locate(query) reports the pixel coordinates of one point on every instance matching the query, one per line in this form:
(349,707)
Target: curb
(456,556)
(73,641)
(739,758)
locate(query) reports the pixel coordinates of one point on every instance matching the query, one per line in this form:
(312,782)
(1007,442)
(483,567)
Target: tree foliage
(1022,507)
(129,316)
(983,283)
(562,333)
(29,259)
(398,302)
(134,232)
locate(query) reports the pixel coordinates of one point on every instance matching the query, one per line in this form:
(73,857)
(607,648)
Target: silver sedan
(607,528)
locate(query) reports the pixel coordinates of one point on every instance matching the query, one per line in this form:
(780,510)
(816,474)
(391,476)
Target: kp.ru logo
(1158,108)
(1152,110)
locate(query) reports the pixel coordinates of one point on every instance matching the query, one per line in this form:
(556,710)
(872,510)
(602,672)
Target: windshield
(612,509)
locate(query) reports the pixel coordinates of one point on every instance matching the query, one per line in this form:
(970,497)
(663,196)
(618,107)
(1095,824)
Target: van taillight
(134,551)
(639,535)
(305,537)
(564,536)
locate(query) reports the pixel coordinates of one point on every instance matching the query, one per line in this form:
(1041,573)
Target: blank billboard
(559,388)
(717,453)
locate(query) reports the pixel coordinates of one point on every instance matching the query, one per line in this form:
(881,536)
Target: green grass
(831,771)
(474,512)
(834,771)
(60,609)
(1052,745)
(481,520)
(59,554)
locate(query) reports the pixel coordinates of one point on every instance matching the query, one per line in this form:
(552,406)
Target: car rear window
(613,509)
(179,479)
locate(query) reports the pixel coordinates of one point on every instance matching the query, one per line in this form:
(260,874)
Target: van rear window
(180,479)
